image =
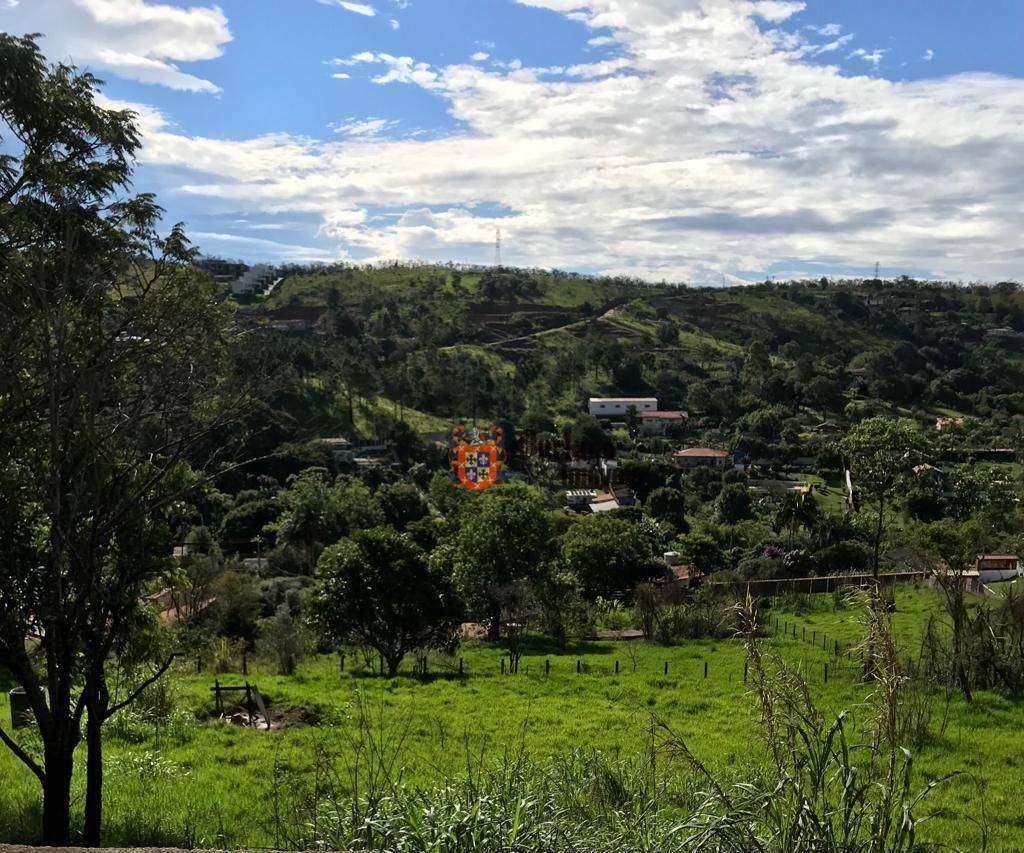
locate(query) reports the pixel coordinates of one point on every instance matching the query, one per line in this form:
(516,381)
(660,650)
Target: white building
(617,407)
(254,280)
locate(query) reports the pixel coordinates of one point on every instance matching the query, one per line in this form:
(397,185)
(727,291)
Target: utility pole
(497,247)
(876,272)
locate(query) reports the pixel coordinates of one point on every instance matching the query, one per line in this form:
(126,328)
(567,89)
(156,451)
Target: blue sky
(682,139)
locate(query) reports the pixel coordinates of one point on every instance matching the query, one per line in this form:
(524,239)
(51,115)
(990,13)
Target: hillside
(446,342)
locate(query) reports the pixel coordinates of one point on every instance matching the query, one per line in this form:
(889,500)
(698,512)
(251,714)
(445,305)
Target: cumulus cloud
(712,146)
(134,39)
(928,55)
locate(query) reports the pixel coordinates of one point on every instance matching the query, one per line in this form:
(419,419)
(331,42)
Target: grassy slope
(223,798)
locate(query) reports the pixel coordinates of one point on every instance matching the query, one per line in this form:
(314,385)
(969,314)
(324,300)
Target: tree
(113,370)
(881,451)
(608,554)
(795,511)
(401,504)
(951,549)
(505,535)
(733,503)
(668,504)
(379,591)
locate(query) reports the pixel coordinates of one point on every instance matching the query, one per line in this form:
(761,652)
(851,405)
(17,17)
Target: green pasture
(206,783)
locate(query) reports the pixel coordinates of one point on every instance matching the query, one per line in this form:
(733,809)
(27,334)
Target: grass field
(204,783)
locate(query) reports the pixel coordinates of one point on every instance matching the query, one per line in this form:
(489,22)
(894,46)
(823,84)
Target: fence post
(616,667)
(503,665)
(199,664)
(705,669)
(461,666)
(824,642)
(341,661)
(579,667)
(216,695)
(826,672)
(245,662)
(803,634)
(547,666)
(382,664)
(837,649)
(746,664)
(666,667)
(814,637)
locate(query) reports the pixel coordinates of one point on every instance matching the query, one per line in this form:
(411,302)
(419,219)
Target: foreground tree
(112,358)
(505,536)
(380,592)
(881,452)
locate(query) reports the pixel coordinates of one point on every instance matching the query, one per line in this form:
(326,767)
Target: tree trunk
(92,833)
(494,626)
(393,662)
(878,532)
(59,756)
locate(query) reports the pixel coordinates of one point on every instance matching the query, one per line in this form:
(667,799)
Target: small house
(656,423)
(997,567)
(700,457)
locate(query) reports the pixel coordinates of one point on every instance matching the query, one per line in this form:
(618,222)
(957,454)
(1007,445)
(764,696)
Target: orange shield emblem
(476,461)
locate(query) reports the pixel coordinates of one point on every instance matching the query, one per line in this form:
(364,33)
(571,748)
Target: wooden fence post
(547,666)
(341,661)
(503,666)
(826,672)
(705,669)
(746,664)
(616,667)
(666,667)
(461,666)
(579,667)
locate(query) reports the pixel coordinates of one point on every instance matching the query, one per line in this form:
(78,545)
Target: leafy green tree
(702,552)
(881,452)
(795,511)
(733,503)
(401,504)
(608,554)
(113,370)
(505,535)
(379,591)
(668,504)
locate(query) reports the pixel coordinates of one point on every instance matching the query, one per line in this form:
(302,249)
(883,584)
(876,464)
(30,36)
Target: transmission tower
(876,271)
(497,247)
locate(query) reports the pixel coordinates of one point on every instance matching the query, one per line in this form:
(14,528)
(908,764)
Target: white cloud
(358,8)
(827,29)
(600,41)
(364,127)
(393,23)
(928,55)
(480,56)
(713,147)
(134,39)
(873,57)
(341,75)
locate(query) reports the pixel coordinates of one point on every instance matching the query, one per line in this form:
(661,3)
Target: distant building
(616,407)
(997,567)
(254,280)
(698,457)
(655,423)
(603,503)
(945,423)
(579,499)
(340,448)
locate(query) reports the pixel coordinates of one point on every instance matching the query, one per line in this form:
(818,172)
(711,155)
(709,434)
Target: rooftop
(701,452)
